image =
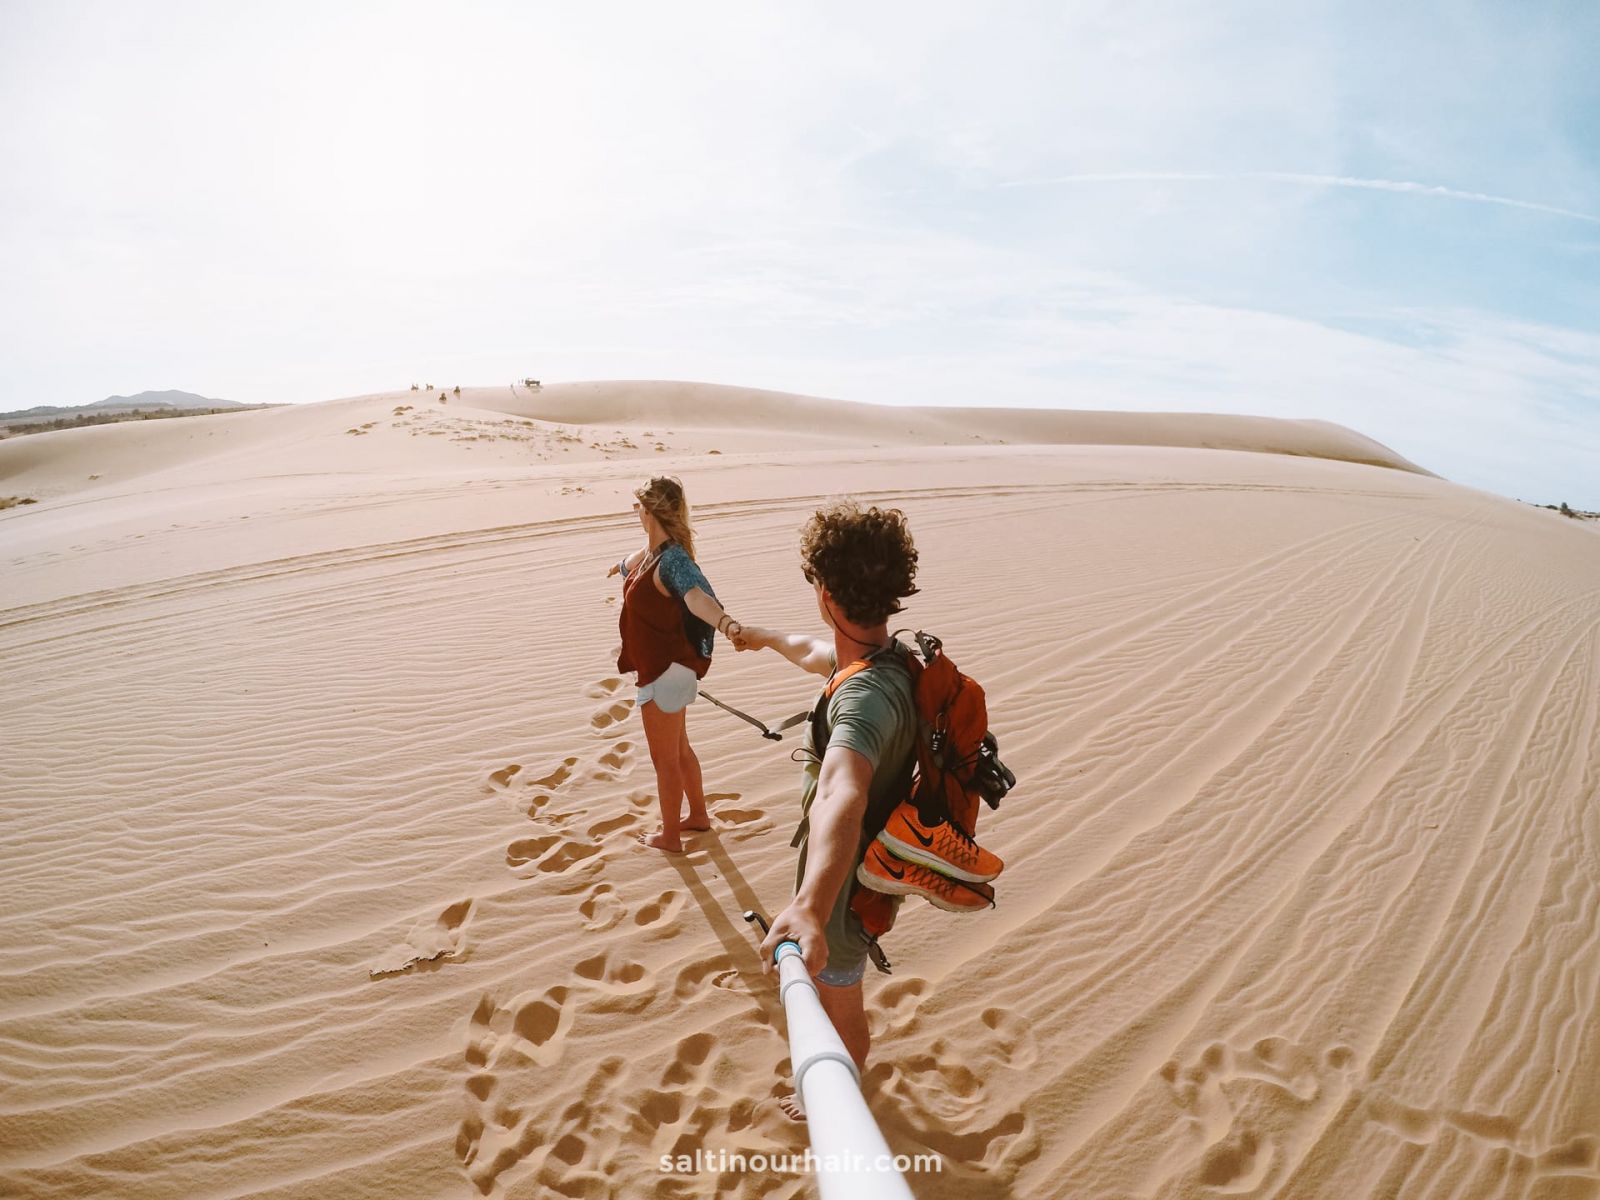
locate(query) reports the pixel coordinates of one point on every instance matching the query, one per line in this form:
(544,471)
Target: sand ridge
(318,840)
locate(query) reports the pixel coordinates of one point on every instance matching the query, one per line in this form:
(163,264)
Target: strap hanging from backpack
(772,733)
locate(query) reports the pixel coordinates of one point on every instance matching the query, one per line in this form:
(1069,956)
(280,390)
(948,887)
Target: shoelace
(921,875)
(929,880)
(965,845)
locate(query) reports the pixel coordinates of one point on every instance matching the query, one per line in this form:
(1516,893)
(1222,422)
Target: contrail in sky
(1374,185)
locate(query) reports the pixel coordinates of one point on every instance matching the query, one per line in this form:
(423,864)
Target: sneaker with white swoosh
(942,847)
(883,872)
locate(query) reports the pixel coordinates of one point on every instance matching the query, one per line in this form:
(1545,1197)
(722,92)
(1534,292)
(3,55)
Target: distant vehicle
(531,384)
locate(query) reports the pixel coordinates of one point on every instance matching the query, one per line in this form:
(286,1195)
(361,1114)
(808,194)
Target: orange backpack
(957,762)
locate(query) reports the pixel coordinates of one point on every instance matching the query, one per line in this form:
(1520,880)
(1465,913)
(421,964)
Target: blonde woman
(669,613)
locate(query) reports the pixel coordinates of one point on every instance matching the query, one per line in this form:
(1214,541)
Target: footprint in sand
(604,689)
(659,911)
(601,909)
(557,776)
(1236,1158)
(431,940)
(615,763)
(718,972)
(1009,1039)
(550,852)
(603,829)
(567,856)
(608,716)
(1273,1061)
(599,968)
(894,1007)
(480,1082)
(1238,1163)
(741,820)
(621,987)
(690,1067)
(527,850)
(538,1027)
(533,807)
(496,1134)
(581,1144)
(951,1107)
(530,796)
(952,1088)
(510,776)
(553,849)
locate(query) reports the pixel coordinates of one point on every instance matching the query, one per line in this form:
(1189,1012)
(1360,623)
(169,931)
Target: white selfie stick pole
(853,1161)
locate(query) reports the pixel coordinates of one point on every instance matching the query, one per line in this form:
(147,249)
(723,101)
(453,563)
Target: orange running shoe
(944,847)
(883,872)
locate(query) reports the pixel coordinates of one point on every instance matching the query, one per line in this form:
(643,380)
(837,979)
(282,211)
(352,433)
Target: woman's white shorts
(673,690)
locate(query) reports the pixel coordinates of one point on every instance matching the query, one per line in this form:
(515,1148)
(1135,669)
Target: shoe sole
(895,888)
(926,858)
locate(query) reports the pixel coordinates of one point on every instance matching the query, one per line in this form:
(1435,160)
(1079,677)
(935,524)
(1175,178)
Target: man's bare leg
(846,1008)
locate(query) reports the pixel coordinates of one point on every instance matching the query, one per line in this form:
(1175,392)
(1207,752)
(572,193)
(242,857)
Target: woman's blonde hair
(663,498)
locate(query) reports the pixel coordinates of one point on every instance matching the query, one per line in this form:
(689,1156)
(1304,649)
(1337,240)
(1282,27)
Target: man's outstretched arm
(806,652)
(836,815)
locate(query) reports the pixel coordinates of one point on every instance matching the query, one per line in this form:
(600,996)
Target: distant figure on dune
(860,563)
(668,613)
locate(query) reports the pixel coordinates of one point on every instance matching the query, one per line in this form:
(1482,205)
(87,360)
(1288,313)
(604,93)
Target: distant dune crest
(685,405)
(518,427)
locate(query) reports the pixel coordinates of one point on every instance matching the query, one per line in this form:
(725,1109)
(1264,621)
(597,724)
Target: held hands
(747,637)
(742,638)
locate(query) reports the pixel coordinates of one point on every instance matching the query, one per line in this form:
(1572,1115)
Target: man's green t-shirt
(873,713)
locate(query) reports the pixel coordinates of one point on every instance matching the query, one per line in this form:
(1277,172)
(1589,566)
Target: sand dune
(320,793)
(581,421)
(709,406)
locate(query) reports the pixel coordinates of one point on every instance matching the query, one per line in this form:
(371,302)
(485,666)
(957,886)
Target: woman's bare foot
(792,1108)
(658,841)
(695,825)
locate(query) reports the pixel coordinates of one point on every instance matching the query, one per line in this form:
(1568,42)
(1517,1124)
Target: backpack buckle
(878,957)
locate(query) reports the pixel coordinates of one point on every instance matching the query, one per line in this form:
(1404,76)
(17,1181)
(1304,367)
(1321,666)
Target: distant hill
(144,400)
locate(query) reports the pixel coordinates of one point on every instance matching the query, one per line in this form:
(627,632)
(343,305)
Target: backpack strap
(820,732)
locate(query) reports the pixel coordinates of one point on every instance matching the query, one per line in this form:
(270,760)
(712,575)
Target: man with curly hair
(860,563)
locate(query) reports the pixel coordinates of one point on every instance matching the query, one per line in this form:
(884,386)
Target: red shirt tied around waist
(668,614)
(656,628)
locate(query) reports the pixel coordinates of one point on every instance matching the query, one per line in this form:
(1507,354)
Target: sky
(1384,216)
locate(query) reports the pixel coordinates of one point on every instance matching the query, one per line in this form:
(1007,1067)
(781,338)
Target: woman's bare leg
(664,734)
(693,786)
